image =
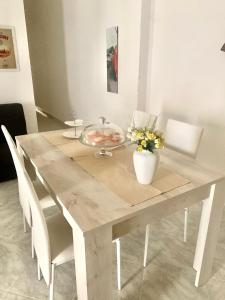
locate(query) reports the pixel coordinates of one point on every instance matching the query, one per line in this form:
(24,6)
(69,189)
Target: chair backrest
(183,137)
(39,230)
(141,119)
(39,227)
(19,167)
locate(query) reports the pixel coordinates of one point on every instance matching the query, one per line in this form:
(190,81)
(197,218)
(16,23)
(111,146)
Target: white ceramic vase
(145,165)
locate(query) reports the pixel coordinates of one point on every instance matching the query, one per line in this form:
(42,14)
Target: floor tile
(2,295)
(10,296)
(11,264)
(29,285)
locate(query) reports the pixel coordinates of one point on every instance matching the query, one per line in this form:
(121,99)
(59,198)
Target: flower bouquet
(145,158)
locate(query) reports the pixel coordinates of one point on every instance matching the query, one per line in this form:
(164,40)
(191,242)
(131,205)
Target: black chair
(12,116)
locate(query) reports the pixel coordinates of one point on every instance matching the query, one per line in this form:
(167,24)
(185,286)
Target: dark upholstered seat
(12,116)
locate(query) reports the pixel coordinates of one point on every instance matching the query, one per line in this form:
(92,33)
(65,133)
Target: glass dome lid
(103,135)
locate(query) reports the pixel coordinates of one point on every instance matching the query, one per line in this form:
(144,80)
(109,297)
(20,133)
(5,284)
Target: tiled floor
(168,276)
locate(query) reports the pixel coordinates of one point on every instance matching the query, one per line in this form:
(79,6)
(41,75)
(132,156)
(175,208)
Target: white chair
(45,199)
(184,138)
(141,119)
(52,237)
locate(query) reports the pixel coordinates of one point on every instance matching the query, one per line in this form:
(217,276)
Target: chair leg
(39,271)
(118,259)
(147,232)
(186,212)
(51,287)
(32,244)
(24,224)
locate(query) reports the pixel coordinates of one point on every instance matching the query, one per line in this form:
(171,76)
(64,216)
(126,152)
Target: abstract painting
(112,59)
(8,59)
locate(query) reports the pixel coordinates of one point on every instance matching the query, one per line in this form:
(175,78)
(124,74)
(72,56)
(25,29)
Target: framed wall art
(112,35)
(8,50)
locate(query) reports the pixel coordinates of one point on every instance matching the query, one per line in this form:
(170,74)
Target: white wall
(16,86)
(70,69)
(186,73)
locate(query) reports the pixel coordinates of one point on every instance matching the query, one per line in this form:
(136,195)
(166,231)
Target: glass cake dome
(104,136)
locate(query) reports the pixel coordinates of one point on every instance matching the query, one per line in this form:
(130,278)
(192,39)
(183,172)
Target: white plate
(71,134)
(77,122)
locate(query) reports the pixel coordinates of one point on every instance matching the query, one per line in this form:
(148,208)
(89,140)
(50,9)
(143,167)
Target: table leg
(211,216)
(93,263)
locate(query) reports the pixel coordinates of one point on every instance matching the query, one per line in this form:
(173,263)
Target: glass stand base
(103,153)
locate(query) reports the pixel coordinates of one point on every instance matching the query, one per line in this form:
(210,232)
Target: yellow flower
(150,135)
(158,143)
(139,148)
(144,143)
(139,135)
(145,138)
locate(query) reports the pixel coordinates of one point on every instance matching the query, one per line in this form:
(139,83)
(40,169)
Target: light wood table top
(88,201)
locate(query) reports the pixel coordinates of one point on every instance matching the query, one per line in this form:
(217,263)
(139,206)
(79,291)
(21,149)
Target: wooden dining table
(99,212)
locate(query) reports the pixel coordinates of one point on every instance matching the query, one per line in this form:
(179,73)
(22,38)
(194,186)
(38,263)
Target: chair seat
(61,239)
(46,200)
